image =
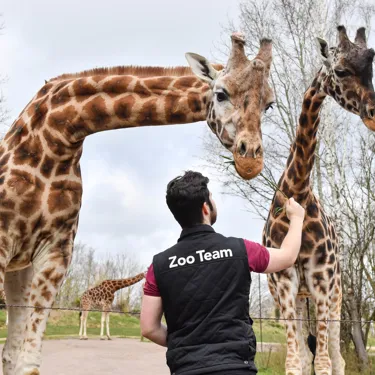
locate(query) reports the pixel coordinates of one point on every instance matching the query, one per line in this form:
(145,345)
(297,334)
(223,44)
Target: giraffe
(40,177)
(345,76)
(101,297)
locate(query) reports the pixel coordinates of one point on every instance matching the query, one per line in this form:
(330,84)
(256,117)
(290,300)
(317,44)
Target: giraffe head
(348,74)
(239,95)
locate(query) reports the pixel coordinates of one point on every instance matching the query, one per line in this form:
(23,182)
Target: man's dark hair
(185,197)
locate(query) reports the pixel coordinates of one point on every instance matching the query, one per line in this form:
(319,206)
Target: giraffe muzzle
(248,159)
(368,117)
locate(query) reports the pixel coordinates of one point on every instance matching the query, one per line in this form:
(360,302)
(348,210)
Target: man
(202,284)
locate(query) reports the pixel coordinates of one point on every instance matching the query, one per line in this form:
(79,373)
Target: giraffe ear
(323,47)
(324,54)
(201,67)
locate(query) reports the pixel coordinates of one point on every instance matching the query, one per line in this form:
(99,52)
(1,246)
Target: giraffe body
(316,273)
(101,297)
(40,177)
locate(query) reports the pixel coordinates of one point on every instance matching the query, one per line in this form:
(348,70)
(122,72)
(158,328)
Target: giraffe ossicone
(345,76)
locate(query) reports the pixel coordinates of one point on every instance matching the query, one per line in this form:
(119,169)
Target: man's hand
(294,210)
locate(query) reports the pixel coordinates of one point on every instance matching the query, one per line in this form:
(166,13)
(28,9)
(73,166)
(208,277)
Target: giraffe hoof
(102,338)
(109,338)
(83,338)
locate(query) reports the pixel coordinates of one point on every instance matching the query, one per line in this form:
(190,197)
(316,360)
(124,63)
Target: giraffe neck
(123,283)
(295,181)
(71,107)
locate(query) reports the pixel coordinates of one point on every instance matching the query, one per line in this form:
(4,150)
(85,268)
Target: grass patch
(66,323)
(371,341)
(271,331)
(273,363)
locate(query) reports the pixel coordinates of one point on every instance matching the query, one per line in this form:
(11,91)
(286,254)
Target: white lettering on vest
(226,253)
(216,254)
(173,262)
(203,256)
(181,261)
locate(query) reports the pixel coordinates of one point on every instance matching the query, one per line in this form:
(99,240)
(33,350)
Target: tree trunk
(357,333)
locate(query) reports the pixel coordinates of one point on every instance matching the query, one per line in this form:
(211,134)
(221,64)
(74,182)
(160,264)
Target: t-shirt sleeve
(151,288)
(258,256)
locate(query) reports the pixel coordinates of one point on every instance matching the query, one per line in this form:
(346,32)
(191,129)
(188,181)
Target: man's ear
(206,208)
(201,67)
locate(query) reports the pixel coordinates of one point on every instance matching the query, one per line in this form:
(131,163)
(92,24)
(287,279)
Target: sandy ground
(94,357)
(115,357)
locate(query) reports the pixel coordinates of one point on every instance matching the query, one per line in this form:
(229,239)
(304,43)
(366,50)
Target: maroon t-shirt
(258,258)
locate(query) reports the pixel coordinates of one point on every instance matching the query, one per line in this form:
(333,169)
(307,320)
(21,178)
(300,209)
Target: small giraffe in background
(101,297)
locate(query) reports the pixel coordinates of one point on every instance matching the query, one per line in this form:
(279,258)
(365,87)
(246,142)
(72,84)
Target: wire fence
(78,309)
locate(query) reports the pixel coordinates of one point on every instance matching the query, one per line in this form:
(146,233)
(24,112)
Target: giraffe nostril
(258,150)
(242,149)
(371,113)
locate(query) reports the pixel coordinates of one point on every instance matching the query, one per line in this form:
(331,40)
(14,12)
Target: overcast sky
(125,172)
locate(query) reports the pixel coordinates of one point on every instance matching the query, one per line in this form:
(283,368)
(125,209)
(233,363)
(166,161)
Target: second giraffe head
(239,95)
(347,74)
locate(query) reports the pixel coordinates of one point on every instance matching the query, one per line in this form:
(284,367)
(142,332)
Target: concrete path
(115,357)
(94,357)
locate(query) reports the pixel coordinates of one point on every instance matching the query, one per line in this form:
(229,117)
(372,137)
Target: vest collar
(200,228)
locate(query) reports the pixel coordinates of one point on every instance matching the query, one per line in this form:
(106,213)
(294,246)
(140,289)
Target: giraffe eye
(342,73)
(268,106)
(221,96)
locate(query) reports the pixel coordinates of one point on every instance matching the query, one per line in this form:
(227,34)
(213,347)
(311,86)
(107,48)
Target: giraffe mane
(139,71)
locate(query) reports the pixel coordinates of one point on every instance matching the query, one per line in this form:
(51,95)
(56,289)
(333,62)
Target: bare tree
(88,269)
(344,170)
(260,301)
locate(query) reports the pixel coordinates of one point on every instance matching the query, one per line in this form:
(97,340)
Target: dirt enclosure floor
(94,357)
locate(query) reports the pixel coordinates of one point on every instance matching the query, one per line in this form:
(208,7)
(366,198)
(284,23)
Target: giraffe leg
(80,325)
(286,287)
(107,323)
(17,287)
(338,365)
(304,353)
(83,327)
(318,286)
(322,363)
(102,321)
(49,271)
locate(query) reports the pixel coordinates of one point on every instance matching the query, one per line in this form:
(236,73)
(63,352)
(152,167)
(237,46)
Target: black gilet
(204,283)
